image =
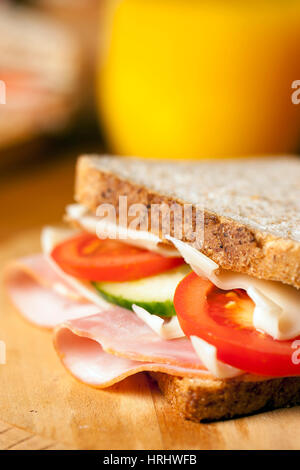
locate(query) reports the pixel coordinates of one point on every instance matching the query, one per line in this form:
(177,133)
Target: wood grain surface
(12,438)
(43,407)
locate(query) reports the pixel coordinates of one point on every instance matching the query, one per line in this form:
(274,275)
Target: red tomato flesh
(87,257)
(224,319)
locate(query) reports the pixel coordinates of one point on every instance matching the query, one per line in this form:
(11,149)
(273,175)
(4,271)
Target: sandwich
(188,271)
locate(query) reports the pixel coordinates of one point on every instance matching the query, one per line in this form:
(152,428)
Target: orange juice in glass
(200,78)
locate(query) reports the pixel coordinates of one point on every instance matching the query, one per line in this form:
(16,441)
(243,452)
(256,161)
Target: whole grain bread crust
(232,245)
(214,399)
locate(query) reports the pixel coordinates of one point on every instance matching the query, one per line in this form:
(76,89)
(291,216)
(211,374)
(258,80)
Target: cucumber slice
(154,293)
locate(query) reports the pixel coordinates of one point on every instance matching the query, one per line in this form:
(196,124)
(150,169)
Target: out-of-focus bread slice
(32,42)
(214,399)
(251,206)
(40,66)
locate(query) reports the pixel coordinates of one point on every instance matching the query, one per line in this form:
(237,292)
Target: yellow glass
(206,78)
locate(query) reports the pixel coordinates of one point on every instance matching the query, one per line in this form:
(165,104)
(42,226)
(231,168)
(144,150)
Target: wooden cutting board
(42,406)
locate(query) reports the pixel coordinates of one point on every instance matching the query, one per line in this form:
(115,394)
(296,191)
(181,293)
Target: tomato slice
(87,257)
(224,319)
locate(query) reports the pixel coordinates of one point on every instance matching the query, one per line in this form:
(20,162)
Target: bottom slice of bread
(214,399)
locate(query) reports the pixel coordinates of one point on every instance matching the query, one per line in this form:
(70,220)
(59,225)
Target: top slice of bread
(252,206)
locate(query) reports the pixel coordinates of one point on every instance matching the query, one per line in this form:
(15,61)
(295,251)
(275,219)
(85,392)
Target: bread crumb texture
(214,399)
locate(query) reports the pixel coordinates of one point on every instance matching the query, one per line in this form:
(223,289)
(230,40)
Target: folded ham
(42,295)
(86,359)
(99,344)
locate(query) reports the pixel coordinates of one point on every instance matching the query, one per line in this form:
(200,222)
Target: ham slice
(99,345)
(86,360)
(42,295)
(122,333)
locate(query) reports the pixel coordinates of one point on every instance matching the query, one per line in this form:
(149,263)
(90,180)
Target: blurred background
(152,78)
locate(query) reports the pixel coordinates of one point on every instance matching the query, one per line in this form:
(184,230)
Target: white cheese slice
(50,237)
(167,329)
(208,356)
(105,228)
(277,305)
